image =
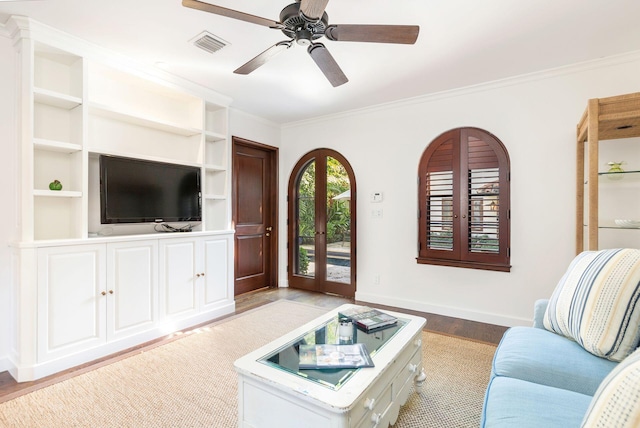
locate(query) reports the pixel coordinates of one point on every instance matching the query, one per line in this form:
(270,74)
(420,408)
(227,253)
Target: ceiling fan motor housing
(299,27)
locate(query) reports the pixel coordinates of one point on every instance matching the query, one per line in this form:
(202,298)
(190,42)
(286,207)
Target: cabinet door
(71,307)
(132,281)
(216,253)
(178,261)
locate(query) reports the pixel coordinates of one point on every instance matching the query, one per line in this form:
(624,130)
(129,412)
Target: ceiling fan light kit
(306,21)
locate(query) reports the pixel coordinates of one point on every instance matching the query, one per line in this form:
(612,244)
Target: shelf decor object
(615,166)
(611,118)
(55,185)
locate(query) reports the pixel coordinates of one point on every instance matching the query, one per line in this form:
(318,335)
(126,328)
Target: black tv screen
(140,191)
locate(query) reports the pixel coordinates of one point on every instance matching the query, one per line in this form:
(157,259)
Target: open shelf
(610,224)
(56,146)
(55,99)
(57,193)
(215,121)
(148,122)
(215,168)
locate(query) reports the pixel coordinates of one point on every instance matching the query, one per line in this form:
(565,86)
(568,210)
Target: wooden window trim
(463,152)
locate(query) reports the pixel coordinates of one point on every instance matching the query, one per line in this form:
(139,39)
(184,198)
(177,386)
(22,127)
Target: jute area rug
(191,382)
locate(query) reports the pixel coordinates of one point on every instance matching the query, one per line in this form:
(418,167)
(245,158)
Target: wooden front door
(255,215)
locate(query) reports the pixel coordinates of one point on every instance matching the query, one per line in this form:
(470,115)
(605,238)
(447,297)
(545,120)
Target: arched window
(463,201)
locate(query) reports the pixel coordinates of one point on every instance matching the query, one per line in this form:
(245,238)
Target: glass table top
(286,358)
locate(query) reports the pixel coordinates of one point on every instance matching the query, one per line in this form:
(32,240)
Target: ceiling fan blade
(327,64)
(404,34)
(262,58)
(313,9)
(230,13)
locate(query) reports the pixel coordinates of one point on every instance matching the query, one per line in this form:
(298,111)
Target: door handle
(269,229)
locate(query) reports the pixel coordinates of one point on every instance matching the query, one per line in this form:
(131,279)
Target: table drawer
(379,408)
(371,397)
(409,364)
(384,390)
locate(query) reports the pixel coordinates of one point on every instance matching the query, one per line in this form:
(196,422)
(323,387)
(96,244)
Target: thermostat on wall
(376,197)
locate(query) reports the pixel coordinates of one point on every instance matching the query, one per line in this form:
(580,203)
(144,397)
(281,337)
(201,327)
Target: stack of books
(369,319)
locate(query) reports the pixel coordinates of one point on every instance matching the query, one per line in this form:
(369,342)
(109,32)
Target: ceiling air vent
(208,42)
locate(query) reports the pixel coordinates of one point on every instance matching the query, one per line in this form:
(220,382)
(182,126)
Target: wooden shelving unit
(611,118)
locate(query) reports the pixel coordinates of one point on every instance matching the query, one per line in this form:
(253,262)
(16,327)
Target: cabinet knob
(369,403)
(110,291)
(104,293)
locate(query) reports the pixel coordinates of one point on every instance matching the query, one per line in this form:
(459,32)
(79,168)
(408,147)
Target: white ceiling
(461,43)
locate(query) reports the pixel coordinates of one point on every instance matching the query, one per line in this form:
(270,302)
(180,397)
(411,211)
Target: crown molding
(481,87)
(258,119)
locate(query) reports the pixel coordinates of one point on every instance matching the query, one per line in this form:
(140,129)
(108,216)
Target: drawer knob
(417,342)
(369,403)
(413,368)
(375,418)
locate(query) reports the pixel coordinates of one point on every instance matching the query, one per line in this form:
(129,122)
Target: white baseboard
(484,317)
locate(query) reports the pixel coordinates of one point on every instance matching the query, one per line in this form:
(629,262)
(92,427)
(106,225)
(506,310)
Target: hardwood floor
(487,333)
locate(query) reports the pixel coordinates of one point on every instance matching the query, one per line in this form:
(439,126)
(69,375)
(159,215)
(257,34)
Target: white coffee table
(272,392)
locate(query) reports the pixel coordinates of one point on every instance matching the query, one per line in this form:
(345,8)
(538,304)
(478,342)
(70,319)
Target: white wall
(8,191)
(535,117)
(253,128)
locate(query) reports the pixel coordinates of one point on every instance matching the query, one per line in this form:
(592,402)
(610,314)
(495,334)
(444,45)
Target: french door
(321,224)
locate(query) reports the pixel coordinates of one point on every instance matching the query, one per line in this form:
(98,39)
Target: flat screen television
(141,191)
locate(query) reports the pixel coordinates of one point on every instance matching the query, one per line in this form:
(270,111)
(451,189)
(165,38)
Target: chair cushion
(596,303)
(517,403)
(543,357)
(616,404)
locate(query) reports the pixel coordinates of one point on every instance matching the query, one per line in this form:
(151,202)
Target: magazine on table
(334,356)
(369,319)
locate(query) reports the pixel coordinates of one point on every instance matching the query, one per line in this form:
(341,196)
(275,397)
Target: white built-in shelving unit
(84,290)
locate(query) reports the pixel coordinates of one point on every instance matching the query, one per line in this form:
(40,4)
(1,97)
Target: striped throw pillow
(616,403)
(596,303)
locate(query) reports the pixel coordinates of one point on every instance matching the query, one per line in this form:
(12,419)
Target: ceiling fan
(304,22)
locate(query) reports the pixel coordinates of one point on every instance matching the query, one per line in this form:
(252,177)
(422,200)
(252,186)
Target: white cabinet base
(90,300)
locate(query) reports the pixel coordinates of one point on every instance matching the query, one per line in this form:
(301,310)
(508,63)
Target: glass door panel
(338,223)
(306,221)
